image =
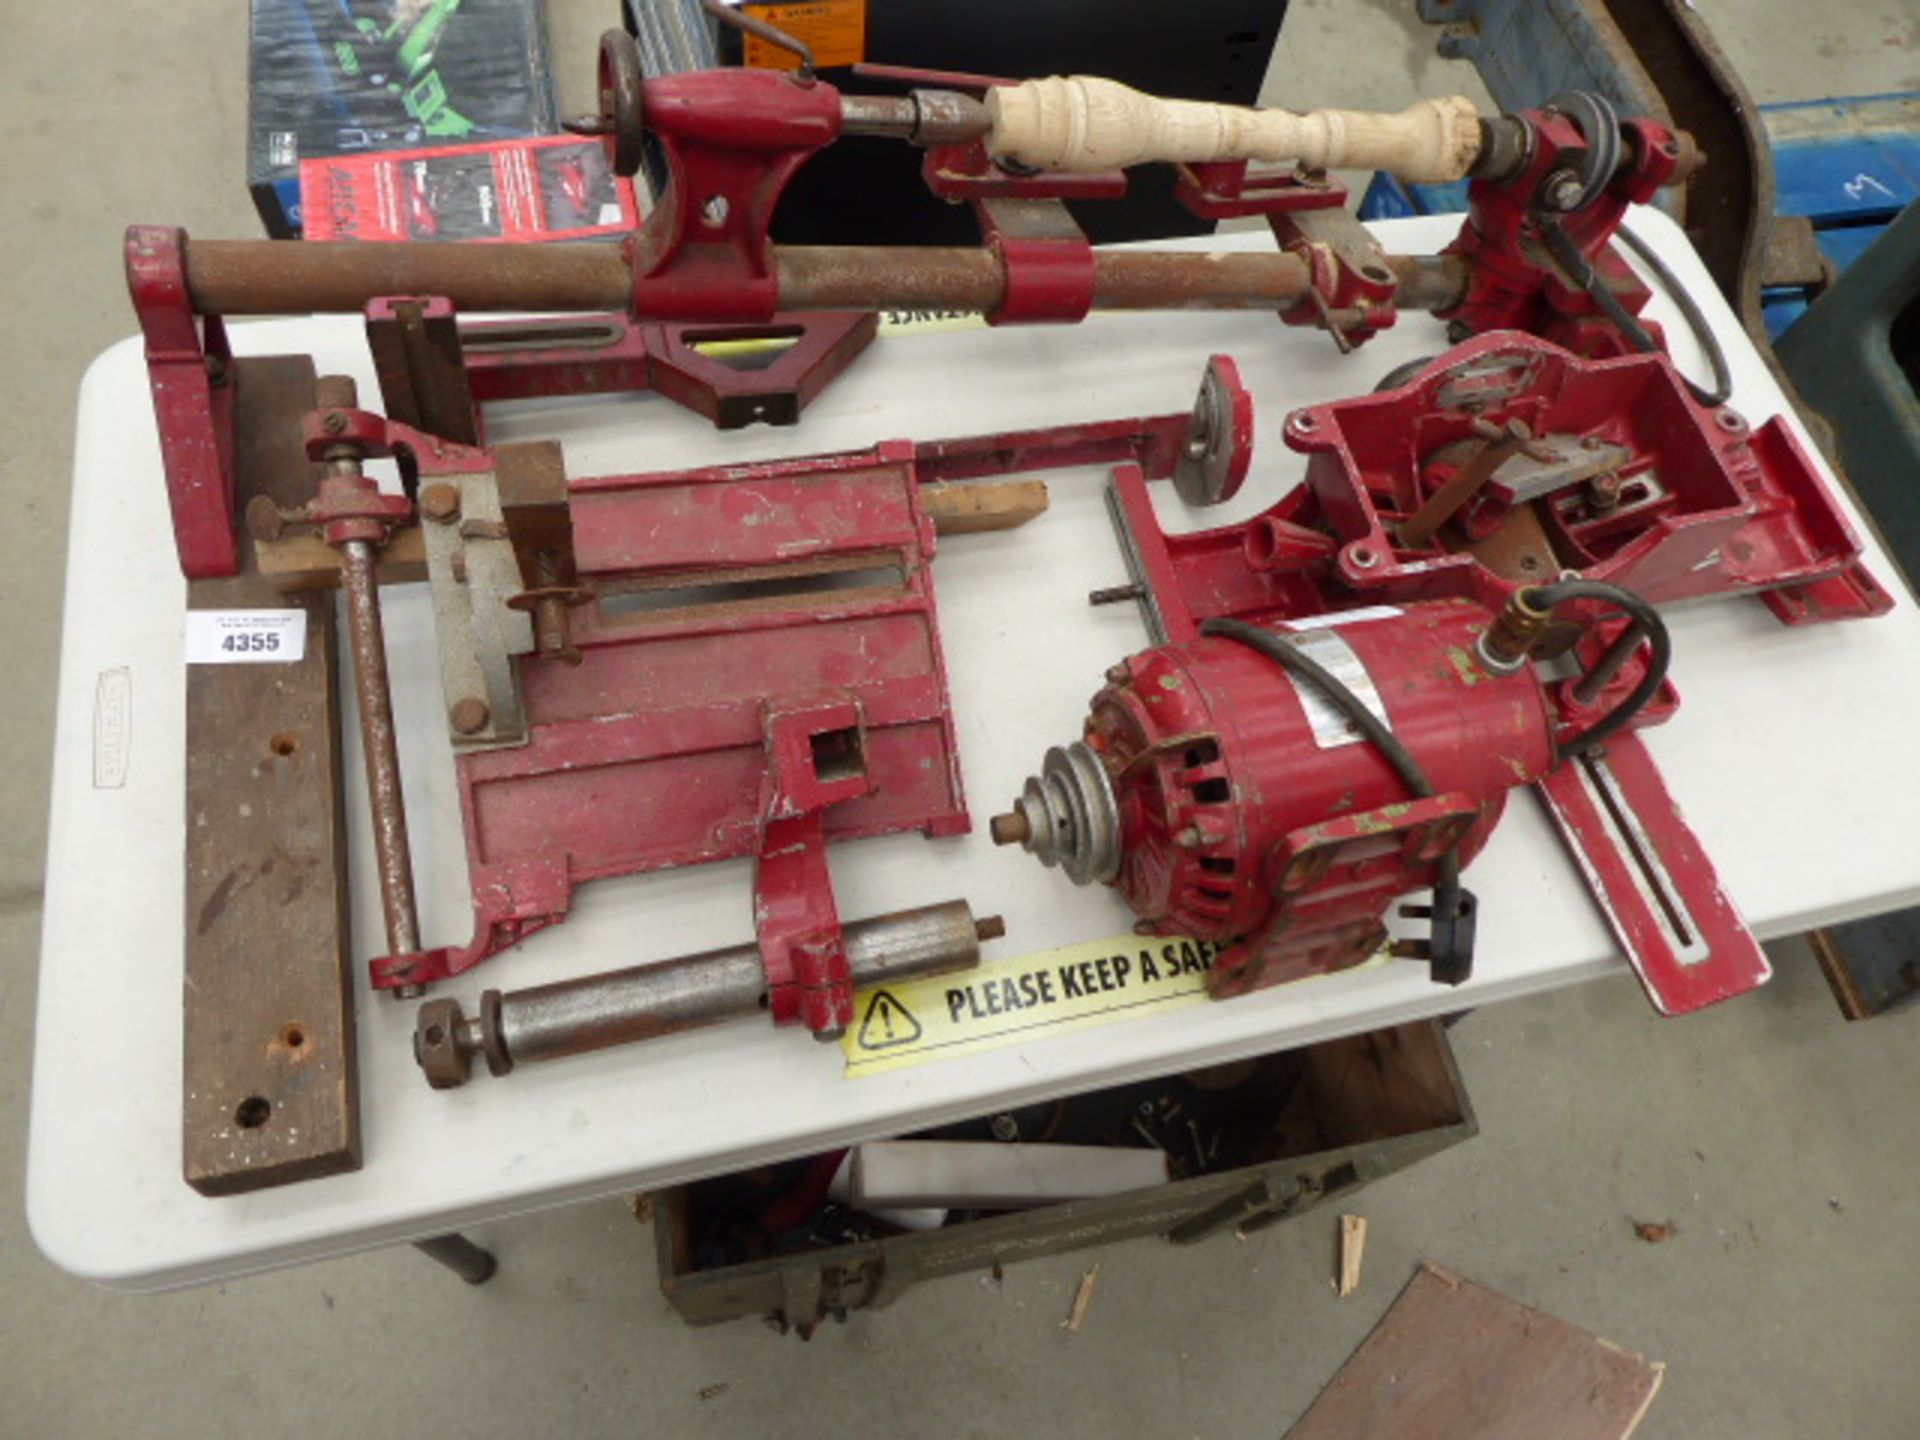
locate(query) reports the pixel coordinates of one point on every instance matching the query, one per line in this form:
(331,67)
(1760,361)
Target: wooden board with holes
(1452,1360)
(271,1094)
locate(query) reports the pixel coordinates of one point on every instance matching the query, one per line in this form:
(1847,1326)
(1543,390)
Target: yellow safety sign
(835,30)
(1024,998)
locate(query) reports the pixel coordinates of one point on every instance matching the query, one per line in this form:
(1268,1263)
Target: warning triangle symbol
(886,1024)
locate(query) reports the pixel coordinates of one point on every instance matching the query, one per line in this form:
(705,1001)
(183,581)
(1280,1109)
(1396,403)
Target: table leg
(460,1255)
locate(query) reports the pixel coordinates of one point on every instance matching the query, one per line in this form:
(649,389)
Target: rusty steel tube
(316,277)
(904,277)
(276,277)
(393,854)
(622,1007)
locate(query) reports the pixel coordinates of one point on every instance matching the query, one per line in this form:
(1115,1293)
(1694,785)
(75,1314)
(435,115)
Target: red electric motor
(1226,795)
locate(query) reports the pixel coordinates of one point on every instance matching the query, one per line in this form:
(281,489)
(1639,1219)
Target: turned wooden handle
(1082,122)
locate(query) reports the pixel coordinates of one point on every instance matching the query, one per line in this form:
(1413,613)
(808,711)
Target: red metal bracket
(1652,878)
(733,139)
(725,599)
(815,759)
(1514,283)
(188,371)
(1048,262)
(1335,879)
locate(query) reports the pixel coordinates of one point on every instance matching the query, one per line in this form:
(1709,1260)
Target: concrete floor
(1769,1132)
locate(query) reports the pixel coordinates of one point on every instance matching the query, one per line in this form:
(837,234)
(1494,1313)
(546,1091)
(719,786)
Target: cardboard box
(343,77)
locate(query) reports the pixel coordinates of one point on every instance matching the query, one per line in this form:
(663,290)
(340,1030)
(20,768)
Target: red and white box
(549,188)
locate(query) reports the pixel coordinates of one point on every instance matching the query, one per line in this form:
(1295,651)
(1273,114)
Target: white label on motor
(1343,617)
(245,637)
(1330,724)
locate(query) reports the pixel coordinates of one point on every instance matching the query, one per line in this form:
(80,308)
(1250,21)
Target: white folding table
(1792,755)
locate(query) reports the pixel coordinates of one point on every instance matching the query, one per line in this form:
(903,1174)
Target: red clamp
(1352,303)
(1047,261)
(349,506)
(733,139)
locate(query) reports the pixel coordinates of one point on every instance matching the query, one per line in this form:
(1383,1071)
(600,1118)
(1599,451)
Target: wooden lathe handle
(1082,122)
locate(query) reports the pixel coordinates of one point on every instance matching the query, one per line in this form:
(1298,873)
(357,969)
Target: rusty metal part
(1498,443)
(1067,816)
(595,1012)
(380,752)
(1506,144)
(1509,641)
(620,121)
(298,277)
(1427,282)
(278,277)
(924,117)
(533,504)
(439,501)
(380,755)
(1013,828)
(738,18)
(423,375)
(469,715)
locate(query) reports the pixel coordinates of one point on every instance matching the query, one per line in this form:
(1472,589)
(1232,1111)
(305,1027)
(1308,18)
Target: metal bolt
(1114,594)
(1562,190)
(1118,675)
(469,715)
(265,520)
(440,502)
(334,422)
(1004,1127)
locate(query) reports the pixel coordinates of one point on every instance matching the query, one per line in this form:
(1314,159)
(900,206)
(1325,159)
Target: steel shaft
(374,700)
(279,277)
(621,1007)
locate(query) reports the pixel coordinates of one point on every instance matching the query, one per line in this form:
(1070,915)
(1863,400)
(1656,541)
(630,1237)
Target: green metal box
(1364,1106)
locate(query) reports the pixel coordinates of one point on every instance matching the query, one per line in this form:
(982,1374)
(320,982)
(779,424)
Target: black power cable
(1450,948)
(1645,617)
(1588,279)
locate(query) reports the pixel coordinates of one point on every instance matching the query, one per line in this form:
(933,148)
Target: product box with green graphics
(343,77)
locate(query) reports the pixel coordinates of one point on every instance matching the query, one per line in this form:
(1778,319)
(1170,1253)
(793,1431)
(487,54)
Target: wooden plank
(271,1084)
(1353,1250)
(297,563)
(1452,1360)
(965,507)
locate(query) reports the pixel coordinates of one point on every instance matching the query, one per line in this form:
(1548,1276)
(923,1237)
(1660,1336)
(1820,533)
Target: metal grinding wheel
(1218,450)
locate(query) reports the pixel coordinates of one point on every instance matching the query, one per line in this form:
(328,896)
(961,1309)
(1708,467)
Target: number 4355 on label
(242,637)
